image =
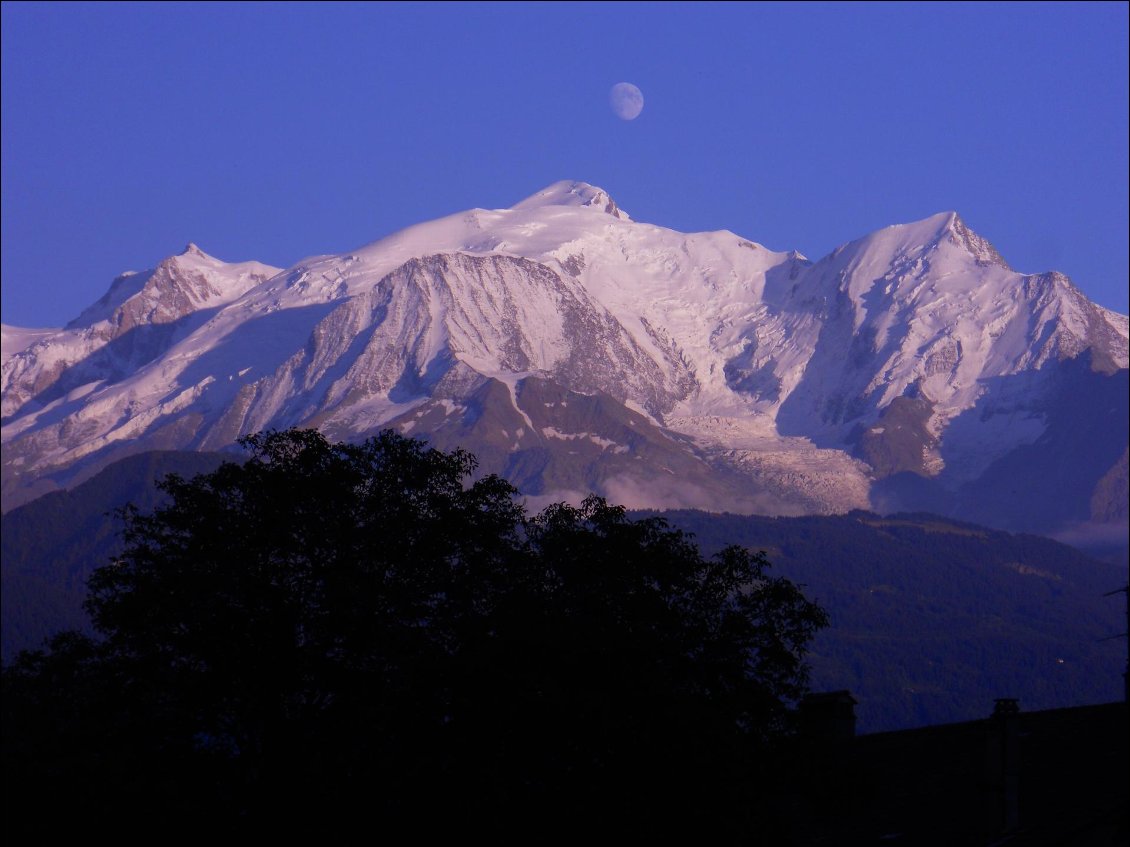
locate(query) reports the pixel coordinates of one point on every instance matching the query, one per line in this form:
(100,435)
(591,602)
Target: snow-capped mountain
(139,318)
(573,349)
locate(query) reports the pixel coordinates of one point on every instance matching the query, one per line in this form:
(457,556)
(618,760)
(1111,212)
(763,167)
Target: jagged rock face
(131,325)
(555,443)
(434,327)
(177,287)
(747,379)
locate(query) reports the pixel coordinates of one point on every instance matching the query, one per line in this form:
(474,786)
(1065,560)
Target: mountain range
(573,349)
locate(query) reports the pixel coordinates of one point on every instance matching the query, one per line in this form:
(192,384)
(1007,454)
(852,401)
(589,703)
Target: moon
(626,101)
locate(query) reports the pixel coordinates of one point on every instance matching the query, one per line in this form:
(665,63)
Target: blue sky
(274,132)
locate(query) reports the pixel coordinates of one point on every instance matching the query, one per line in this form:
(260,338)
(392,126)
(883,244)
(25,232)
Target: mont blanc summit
(574,349)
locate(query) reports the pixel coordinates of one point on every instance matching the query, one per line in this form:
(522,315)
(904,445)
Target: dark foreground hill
(931,619)
(51,545)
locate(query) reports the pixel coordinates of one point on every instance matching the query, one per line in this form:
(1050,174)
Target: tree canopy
(328,633)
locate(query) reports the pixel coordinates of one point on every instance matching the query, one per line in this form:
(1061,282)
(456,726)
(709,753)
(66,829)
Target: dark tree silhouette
(330,634)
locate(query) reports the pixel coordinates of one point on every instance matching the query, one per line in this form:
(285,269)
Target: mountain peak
(981,249)
(191,257)
(192,250)
(574,193)
(938,229)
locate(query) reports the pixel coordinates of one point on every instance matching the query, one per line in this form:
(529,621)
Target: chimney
(1003,763)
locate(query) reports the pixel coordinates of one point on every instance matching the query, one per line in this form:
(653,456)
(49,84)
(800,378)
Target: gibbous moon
(626,101)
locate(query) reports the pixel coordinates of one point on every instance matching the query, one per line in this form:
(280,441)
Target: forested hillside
(932,619)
